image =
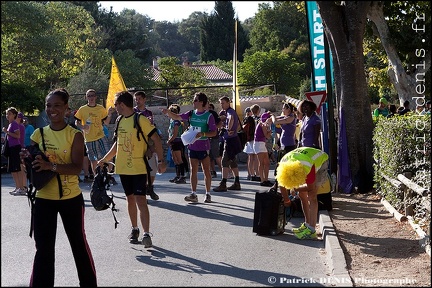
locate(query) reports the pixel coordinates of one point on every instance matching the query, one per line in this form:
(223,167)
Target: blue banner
(316,45)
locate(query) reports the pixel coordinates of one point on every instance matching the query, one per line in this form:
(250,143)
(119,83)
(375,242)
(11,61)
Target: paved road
(203,244)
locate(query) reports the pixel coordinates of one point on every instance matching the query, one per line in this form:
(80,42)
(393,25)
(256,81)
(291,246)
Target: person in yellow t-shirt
(64,149)
(89,119)
(131,166)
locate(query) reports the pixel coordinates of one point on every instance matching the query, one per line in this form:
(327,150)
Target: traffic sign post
(318,97)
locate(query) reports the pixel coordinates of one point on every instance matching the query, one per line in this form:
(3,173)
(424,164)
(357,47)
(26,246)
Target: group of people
(66,147)
(387,110)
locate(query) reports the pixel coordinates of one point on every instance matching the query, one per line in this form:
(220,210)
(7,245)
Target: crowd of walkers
(198,137)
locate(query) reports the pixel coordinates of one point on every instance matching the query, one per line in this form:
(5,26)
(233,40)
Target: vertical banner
(236,96)
(316,46)
(116,84)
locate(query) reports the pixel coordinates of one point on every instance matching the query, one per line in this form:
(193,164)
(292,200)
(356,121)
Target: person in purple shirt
(140,100)
(231,140)
(202,126)
(288,122)
(311,125)
(13,136)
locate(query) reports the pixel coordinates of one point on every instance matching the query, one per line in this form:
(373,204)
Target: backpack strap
(31,192)
(139,131)
(107,187)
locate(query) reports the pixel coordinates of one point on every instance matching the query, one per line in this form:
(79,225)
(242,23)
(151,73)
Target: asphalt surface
(202,244)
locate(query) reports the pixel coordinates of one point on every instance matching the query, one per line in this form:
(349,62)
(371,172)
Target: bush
(402,144)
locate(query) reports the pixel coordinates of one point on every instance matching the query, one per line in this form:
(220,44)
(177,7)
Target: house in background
(213,74)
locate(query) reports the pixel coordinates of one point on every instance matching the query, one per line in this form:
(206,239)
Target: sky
(176,11)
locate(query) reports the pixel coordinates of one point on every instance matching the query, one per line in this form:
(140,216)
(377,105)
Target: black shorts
(134,184)
(177,146)
(14,158)
(200,155)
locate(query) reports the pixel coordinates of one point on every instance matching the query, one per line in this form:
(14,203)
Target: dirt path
(379,250)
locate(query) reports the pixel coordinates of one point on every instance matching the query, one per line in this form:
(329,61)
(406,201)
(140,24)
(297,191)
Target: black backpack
(98,193)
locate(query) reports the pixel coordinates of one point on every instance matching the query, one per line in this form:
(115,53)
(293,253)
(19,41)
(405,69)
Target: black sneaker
(180,180)
(133,237)
(174,179)
(146,240)
(152,194)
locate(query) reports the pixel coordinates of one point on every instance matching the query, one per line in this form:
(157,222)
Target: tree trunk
(405,84)
(344,27)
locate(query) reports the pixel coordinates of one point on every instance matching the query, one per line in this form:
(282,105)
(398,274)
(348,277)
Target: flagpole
(236,96)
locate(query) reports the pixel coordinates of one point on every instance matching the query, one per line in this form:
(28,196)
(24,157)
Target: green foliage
(176,76)
(276,27)
(25,98)
(271,67)
(217,34)
(402,144)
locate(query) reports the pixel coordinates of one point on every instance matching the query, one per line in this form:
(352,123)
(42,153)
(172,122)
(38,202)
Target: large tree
(217,34)
(344,26)
(401,28)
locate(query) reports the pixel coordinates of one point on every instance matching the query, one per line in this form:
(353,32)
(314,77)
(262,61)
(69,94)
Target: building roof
(211,72)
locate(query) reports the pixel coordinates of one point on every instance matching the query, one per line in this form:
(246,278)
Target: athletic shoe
(146,240)
(256,178)
(13,191)
(180,180)
(20,192)
(174,179)
(191,198)
(221,188)
(152,194)
(301,228)
(306,234)
(213,174)
(208,198)
(235,186)
(133,237)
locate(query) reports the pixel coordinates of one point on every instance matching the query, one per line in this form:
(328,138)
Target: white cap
(189,136)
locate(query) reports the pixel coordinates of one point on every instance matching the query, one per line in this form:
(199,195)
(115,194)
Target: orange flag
(116,84)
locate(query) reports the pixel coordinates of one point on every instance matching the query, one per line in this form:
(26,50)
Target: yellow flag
(236,96)
(116,84)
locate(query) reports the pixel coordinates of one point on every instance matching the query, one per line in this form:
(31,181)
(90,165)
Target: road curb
(334,252)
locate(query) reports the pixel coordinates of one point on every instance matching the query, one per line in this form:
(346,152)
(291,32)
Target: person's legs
(205,165)
(193,173)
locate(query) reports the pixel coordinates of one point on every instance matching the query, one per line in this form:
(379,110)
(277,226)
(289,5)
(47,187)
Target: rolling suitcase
(269,214)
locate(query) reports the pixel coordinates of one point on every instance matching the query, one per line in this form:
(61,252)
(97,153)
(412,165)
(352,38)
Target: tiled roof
(211,72)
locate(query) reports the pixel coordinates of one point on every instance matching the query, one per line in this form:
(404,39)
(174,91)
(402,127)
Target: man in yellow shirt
(130,163)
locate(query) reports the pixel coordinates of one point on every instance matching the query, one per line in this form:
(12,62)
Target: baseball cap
(384,101)
(20,115)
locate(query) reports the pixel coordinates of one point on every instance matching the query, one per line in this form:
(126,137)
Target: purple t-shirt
(13,127)
(308,130)
(147,113)
(288,133)
(201,145)
(231,114)
(259,134)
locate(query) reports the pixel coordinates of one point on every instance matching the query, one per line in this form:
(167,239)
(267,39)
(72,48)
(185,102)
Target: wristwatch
(54,167)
